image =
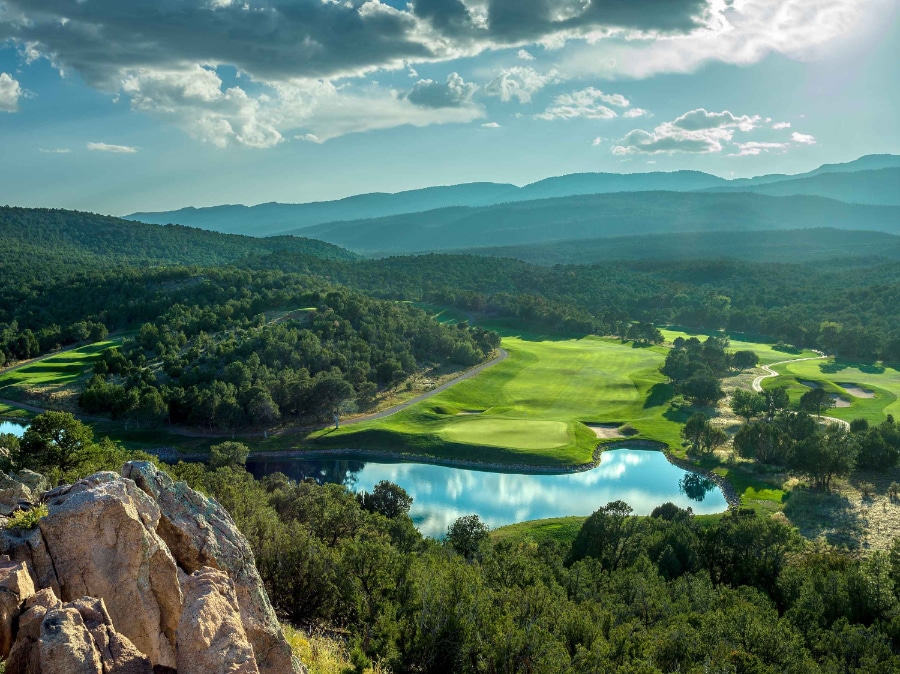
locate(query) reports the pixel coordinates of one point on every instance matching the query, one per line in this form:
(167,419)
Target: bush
(228,454)
(894,491)
(867,489)
(628,430)
(27,519)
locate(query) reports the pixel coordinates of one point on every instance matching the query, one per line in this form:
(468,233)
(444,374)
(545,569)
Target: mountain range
(872,179)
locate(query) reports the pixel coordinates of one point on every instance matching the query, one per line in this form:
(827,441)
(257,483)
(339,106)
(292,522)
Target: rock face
(199,532)
(133,575)
(15,587)
(211,638)
(101,534)
(20,489)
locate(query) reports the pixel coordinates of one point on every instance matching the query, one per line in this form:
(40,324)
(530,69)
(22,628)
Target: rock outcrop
(133,575)
(210,627)
(200,532)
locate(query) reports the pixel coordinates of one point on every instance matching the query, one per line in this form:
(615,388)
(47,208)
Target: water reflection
(12,427)
(643,479)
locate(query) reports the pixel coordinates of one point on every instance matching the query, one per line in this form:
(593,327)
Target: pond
(13,427)
(644,479)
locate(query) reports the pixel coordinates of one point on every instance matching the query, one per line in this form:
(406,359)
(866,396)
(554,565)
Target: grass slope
(54,372)
(531,408)
(768,352)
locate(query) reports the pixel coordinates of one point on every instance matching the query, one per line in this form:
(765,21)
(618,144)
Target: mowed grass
(833,375)
(531,408)
(768,352)
(57,371)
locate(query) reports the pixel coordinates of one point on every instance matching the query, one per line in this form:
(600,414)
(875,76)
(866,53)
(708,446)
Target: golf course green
(532,408)
(872,391)
(56,371)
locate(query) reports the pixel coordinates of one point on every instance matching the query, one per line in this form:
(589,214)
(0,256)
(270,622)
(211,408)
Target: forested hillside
(861,187)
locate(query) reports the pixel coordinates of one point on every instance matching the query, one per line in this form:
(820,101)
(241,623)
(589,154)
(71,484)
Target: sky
(115,106)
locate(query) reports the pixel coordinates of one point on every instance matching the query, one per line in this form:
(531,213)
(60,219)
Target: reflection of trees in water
(695,486)
(334,471)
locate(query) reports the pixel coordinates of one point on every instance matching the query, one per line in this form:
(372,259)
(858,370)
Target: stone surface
(28,546)
(15,587)
(211,638)
(117,654)
(66,646)
(101,537)
(11,492)
(25,656)
(199,532)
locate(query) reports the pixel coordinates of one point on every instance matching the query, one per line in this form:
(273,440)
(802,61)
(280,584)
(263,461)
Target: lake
(642,478)
(12,427)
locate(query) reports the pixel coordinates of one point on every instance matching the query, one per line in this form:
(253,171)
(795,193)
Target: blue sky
(116,107)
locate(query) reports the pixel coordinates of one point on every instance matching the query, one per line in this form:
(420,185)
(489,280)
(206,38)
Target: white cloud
(597,141)
(696,131)
(519,82)
(116,149)
(524,55)
(753,148)
(741,32)
(60,150)
(585,104)
(453,93)
(636,112)
(490,125)
(10,93)
(803,139)
(781,125)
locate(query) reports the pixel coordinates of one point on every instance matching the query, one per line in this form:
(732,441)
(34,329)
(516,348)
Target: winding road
(757,383)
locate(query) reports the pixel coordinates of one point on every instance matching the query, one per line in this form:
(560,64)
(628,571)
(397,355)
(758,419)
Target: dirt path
(187,432)
(757,383)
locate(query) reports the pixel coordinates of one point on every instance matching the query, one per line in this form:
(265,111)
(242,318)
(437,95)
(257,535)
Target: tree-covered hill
(68,237)
(795,245)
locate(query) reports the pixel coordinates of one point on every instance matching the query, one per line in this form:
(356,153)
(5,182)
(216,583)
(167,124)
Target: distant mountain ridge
(276,218)
(599,216)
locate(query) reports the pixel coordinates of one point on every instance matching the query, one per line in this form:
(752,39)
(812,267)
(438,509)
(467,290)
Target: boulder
(199,532)
(28,546)
(12,491)
(211,638)
(36,482)
(25,656)
(101,537)
(66,646)
(117,654)
(15,587)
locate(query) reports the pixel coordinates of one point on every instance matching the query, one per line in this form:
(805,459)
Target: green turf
(884,382)
(560,529)
(60,370)
(531,408)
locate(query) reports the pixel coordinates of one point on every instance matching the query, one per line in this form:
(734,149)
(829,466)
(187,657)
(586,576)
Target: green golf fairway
(530,408)
(58,370)
(768,353)
(835,376)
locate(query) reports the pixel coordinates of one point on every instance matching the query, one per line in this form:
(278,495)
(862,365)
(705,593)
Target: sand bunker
(605,431)
(840,402)
(810,384)
(469,412)
(857,391)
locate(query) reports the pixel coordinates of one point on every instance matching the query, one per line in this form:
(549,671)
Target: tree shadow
(659,394)
(817,513)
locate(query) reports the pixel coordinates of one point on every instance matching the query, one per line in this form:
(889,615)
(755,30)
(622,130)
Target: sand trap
(810,384)
(857,391)
(466,413)
(605,431)
(840,402)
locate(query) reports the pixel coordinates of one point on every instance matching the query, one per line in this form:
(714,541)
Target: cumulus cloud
(781,125)
(490,125)
(803,139)
(519,82)
(586,104)
(115,149)
(742,32)
(696,131)
(59,150)
(700,119)
(10,93)
(524,55)
(597,141)
(636,112)
(453,93)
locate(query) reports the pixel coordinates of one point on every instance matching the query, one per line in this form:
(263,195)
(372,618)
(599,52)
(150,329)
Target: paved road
(501,356)
(757,383)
